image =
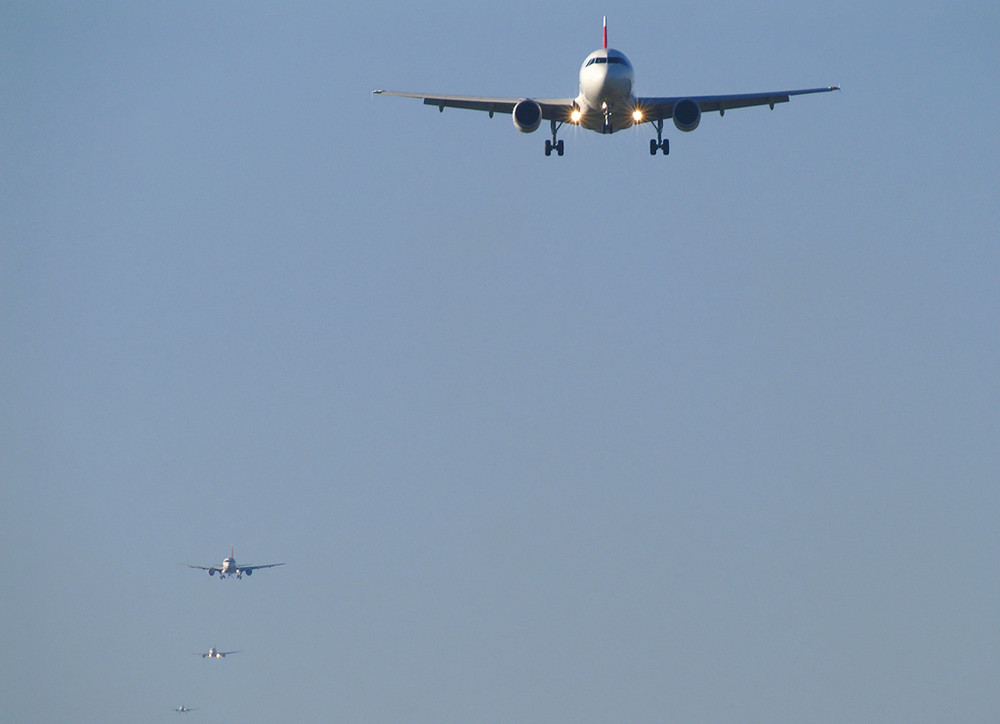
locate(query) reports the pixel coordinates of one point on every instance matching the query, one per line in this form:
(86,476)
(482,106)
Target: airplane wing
(654,109)
(226,653)
(217,569)
(552,108)
(254,568)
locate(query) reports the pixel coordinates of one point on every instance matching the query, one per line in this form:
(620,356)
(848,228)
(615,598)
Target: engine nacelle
(687,115)
(248,571)
(527,116)
(211,571)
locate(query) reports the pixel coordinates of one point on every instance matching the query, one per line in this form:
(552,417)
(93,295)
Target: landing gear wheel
(659,143)
(554,145)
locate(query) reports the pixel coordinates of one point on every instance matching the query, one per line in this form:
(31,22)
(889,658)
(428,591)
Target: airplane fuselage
(606,101)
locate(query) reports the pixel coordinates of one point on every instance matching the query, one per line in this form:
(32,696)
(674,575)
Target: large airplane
(214,653)
(230,568)
(607,103)
(184,710)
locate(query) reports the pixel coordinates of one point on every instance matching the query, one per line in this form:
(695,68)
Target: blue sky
(606,437)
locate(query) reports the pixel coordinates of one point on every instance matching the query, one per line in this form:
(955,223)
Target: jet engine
(687,115)
(211,571)
(248,571)
(527,116)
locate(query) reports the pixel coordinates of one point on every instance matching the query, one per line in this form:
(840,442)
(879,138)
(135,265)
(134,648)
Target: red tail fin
(605,32)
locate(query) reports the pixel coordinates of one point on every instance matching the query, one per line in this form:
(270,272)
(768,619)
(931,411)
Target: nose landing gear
(608,128)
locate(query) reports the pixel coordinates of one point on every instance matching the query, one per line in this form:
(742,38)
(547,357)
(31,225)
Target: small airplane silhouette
(183,709)
(229,567)
(214,653)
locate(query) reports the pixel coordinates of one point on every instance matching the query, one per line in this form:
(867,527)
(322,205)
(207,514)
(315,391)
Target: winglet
(605,32)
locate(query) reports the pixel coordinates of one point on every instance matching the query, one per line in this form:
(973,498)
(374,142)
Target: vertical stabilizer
(605,32)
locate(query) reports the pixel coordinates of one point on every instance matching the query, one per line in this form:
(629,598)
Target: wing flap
(254,568)
(552,108)
(663,108)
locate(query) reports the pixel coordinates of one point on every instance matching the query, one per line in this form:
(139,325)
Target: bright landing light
(576,115)
(637,115)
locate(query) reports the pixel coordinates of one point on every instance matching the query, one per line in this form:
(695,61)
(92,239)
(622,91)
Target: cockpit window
(611,59)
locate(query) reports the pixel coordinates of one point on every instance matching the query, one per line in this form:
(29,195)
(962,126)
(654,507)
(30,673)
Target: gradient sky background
(601,438)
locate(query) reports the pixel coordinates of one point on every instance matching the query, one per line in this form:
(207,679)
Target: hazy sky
(710,437)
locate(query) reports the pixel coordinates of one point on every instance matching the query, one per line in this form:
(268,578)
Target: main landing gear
(659,143)
(554,145)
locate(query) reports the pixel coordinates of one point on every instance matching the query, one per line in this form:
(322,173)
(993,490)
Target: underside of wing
(205,568)
(254,568)
(663,108)
(552,108)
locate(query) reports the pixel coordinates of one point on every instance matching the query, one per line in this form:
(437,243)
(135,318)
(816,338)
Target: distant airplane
(606,103)
(184,709)
(230,568)
(214,653)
